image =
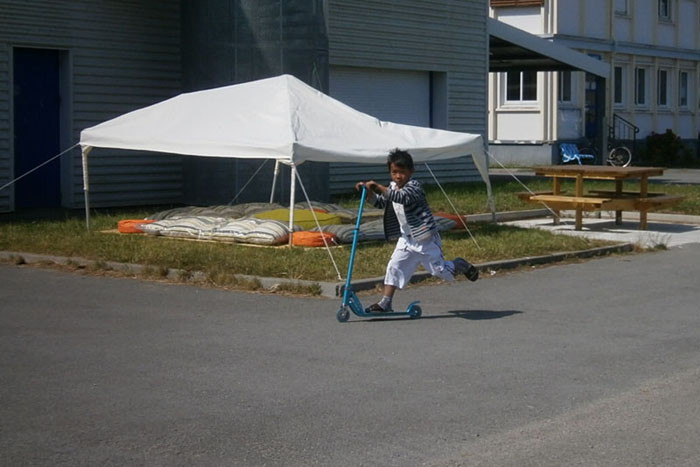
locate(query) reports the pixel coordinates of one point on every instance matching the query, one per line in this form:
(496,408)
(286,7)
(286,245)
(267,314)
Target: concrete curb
(492,266)
(328,289)
(634,216)
(270,283)
(506,216)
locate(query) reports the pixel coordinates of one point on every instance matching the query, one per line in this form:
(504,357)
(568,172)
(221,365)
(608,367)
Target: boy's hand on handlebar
(371,185)
(372,188)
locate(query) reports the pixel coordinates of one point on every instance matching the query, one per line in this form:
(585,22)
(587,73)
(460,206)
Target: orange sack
(454,217)
(306,238)
(131,225)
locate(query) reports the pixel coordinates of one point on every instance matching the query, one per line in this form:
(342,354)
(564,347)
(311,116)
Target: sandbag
(315,239)
(459,224)
(132,225)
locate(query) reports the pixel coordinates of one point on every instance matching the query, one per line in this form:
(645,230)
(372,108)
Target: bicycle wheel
(620,157)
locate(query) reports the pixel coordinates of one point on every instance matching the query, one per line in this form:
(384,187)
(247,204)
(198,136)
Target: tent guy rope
(248,183)
(459,216)
(38,166)
(318,225)
(522,184)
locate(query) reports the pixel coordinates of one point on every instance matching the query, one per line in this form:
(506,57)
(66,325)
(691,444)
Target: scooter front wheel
(343,314)
(415,312)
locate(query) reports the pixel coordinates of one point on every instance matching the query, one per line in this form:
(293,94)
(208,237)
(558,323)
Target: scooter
(351,303)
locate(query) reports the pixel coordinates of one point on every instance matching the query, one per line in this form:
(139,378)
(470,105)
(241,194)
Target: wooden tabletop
(598,171)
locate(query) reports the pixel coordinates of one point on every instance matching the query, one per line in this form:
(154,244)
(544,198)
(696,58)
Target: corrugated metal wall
(126,54)
(123,54)
(5,168)
(234,41)
(443,36)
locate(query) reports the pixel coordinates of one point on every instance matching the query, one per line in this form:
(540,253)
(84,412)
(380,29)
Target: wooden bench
(612,200)
(525,195)
(623,193)
(587,203)
(618,202)
(658,201)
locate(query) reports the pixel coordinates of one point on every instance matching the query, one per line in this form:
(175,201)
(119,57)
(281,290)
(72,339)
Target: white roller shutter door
(392,95)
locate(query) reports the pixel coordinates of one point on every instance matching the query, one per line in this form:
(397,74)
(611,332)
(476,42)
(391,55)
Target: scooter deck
(352,305)
(365,314)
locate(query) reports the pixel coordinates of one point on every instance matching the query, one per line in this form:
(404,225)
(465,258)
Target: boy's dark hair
(400,159)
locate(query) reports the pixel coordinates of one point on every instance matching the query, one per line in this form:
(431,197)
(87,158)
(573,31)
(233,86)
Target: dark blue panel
(36,127)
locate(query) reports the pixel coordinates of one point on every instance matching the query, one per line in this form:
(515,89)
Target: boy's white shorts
(408,255)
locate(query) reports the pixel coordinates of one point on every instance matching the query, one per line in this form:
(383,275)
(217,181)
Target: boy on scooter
(408,218)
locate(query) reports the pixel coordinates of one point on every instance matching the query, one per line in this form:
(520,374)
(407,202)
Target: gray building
(65,66)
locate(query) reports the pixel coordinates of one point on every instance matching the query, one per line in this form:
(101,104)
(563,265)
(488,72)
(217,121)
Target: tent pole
(86,185)
(274,181)
(292,187)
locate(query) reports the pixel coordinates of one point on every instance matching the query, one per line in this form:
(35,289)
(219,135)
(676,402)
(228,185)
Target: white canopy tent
(279,118)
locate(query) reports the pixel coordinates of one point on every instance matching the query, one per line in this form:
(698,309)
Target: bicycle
(619,156)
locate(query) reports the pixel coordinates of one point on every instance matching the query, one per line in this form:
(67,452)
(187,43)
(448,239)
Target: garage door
(391,95)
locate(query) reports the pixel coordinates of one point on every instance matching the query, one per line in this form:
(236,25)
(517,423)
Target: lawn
(222,262)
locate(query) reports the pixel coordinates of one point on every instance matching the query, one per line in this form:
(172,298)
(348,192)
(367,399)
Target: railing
(620,131)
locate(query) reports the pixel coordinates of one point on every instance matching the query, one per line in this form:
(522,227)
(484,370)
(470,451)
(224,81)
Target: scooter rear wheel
(343,314)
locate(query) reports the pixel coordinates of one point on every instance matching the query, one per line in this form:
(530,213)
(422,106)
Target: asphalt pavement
(589,364)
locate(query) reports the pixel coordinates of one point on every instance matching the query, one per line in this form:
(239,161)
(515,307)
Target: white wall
(519,126)
(688,25)
(638,38)
(528,19)
(571,12)
(595,18)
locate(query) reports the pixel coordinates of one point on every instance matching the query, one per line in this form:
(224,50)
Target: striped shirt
(418,214)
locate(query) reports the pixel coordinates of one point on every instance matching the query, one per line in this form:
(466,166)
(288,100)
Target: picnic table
(601,200)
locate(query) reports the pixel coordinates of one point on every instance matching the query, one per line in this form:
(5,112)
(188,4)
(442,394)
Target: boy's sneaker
(376,308)
(463,266)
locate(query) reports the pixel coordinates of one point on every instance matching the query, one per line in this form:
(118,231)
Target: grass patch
(222,263)
(470,198)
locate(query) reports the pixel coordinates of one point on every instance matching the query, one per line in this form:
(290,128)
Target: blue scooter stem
(356,233)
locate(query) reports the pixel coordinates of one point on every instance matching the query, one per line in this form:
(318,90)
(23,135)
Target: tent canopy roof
(280,118)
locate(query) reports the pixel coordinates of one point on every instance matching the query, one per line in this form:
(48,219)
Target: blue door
(36,127)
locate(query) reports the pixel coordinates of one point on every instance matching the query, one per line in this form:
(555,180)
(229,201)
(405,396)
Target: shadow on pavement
(472,315)
(475,315)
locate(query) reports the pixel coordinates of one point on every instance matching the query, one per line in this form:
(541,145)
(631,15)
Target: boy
(407,217)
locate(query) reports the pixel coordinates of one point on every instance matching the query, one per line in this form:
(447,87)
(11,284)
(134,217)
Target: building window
(662,90)
(621,7)
(619,86)
(521,86)
(640,86)
(665,9)
(683,89)
(565,90)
